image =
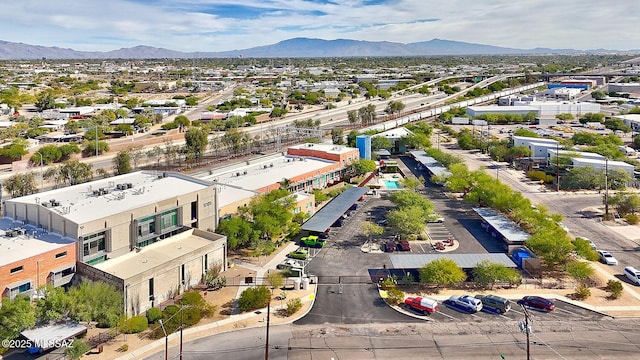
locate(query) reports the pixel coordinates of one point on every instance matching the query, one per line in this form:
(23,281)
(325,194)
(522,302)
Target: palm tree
(285,184)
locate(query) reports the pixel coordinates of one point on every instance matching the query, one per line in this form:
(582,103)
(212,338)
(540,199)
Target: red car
(537,302)
(403,245)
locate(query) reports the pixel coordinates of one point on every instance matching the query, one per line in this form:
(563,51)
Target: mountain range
(294,48)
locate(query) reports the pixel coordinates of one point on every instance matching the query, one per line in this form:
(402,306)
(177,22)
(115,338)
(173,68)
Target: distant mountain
(297,47)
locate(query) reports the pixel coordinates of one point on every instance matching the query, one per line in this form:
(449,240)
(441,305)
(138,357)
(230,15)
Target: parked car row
(497,304)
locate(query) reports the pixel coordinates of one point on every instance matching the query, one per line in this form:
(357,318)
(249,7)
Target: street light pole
(557,167)
(96,139)
(166,341)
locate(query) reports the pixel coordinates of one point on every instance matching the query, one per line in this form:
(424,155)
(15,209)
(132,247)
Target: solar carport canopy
(465,261)
(331,212)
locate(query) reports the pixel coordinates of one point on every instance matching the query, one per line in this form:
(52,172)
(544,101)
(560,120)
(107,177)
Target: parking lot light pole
(166,341)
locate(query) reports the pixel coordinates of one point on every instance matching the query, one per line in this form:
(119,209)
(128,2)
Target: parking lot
(563,311)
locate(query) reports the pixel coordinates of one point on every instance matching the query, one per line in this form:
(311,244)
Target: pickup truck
(312,241)
(424,305)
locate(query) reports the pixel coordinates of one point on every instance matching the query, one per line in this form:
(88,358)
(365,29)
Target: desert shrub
(135,325)
(293,306)
(123,348)
(388,284)
(582,292)
(196,305)
(614,287)
(153,315)
(395,296)
(540,176)
(77,349)
(632,219)
(254,298)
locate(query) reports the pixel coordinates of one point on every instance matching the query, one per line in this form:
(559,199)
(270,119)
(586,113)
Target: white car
(436,219)
(591,243)
(466,302)
(607,258)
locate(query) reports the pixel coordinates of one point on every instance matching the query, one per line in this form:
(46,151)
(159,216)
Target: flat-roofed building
(31,257)
(114,216)
(154,274)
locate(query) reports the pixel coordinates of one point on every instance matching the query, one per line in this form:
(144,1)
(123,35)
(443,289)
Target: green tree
(394,107)
(487,274)
(275,279)
(380,142)
(552,244)
(238,231)
(579,270)
(196,140)
(363,166)
(89,147)
(407,220)
(15,316)
(583,248)
(367,114)
(77,349)
(182,121)
(53,305)
(625,202)
(442,272)
(20,184)
(73,172)
(352,116)
(337,136)
(122,162)
(45,101)
(412,184)
(96,301)
(254,298)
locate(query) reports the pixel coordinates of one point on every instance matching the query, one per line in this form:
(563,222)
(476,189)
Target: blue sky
(219,25)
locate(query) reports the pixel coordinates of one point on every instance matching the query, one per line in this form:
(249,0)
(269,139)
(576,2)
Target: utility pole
(557,167)
(606,188)
(526,328)
(266,339)
(181,326)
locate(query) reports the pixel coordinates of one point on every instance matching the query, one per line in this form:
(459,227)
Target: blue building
(363,143)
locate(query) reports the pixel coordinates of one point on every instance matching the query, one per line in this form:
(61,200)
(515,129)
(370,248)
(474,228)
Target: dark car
(389,246)
(403,245)
(537,302)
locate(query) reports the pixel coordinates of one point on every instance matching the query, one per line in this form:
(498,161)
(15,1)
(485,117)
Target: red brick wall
(43,264)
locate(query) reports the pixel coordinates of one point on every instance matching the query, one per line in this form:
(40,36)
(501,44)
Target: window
(93,247)
(61,255)
(169,219)
(17,269)
(151,288)
(13,292)
(147,226)
(194,210)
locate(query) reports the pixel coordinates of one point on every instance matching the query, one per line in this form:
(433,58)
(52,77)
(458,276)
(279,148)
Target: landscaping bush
(582,292)
(77,349)
(614,287)
(583,248)
(254,298)
(153,315)
(395,296)
(293,306)
(388,284)
(540,176)
(135,325)
(632,219)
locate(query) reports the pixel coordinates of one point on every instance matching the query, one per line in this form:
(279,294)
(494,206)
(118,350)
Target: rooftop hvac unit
(129,185)
(270,165)
(244,172)
(237,174)
(264,166)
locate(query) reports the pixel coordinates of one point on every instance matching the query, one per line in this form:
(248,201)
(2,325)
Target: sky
(221,25)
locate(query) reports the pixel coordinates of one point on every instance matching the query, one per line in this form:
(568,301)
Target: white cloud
(98,25)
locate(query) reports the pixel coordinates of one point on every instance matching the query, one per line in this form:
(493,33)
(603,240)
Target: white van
(632,274)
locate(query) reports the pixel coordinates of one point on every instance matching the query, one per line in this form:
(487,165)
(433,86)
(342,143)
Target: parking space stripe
(517,312)
(445,315)
(571,312)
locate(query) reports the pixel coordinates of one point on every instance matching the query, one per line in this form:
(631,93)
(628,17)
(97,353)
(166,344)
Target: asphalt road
(550,339)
